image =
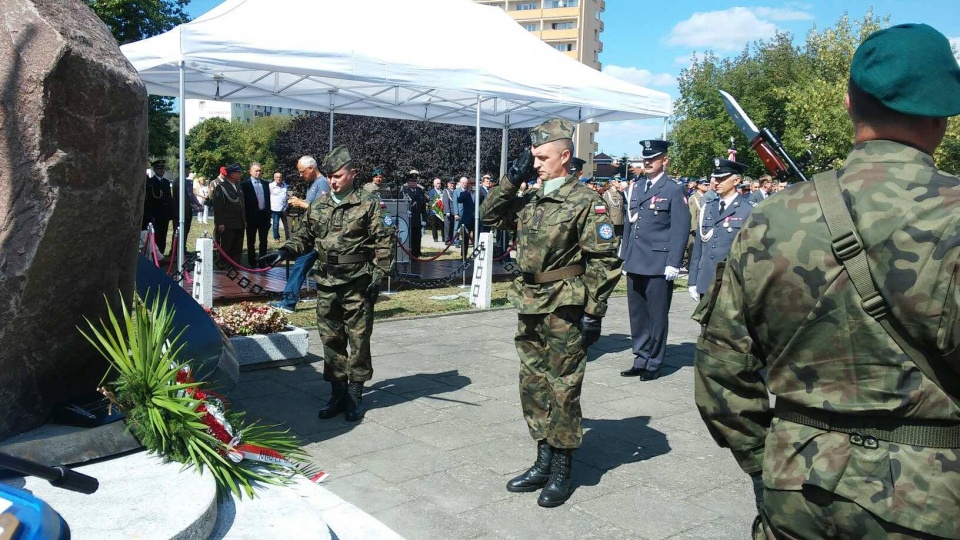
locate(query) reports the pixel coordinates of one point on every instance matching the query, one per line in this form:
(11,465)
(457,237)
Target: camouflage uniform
(555,231)
(354,227)
(613,199)
(787,303)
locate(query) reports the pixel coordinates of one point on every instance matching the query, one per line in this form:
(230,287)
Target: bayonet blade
(740,118)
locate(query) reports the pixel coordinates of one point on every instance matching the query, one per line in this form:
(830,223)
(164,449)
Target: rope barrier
(418,259)
(505,253)
(237,265)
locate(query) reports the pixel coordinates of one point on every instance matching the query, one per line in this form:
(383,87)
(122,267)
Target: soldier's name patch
(388,220)
(600,209)
(605,231)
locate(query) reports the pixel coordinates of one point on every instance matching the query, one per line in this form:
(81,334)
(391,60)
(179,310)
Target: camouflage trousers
(815,513)
(552,363)
(345,316)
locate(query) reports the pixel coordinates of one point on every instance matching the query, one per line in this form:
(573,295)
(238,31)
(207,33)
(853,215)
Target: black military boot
(537,476)
(337,402)
(560,487)
(354,402)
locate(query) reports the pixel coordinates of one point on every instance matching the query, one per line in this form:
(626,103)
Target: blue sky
(648,43)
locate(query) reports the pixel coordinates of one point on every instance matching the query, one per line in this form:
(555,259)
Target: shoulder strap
(848,249)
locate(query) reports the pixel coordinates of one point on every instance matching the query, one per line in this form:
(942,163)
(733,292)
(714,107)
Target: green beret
(377,172)
(909,68)
(337,159)
(551,130)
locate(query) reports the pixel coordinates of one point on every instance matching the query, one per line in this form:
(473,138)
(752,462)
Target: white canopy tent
(415,59)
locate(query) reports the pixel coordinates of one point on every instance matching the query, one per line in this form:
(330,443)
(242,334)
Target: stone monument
(72,156)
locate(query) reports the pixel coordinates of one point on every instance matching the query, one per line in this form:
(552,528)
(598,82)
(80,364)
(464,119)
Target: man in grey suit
(449,211)
(654,240)
(719,223)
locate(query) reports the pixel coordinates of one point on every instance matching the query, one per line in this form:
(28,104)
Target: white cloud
(623,137)
(729,30)
(639,76)
(782,14)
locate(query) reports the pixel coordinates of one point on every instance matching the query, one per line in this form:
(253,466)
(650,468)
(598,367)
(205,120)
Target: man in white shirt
(278,206)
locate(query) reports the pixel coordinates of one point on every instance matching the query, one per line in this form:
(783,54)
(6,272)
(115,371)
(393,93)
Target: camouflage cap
(554,129)
(335,160)
(910,68)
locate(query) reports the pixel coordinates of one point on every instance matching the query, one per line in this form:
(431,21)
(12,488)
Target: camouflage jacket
(568,227)
(357,225)
(786,302)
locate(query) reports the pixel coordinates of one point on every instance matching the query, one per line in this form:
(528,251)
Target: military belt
(537,278)
(348,258)
(867,430)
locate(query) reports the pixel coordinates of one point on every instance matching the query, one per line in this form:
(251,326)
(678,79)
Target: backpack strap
(848,249)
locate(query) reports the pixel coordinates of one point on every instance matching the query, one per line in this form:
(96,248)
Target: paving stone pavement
(444,433)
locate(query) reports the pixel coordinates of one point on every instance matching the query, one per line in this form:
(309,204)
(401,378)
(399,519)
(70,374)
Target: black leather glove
(758,489)
(521,169)
(590,330)
(273,258)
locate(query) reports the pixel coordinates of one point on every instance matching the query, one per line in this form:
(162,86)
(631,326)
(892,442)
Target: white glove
(671,273)
(693,293)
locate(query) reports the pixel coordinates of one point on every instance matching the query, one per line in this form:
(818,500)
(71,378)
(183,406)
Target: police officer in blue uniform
(720,221)
(654,239)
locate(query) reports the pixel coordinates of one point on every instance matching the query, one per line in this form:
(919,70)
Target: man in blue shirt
(307,167)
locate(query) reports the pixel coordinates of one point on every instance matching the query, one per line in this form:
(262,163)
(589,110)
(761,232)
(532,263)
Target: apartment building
(572,27)
(198,110)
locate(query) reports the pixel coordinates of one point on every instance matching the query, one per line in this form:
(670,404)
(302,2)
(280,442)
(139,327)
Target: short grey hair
(308,161)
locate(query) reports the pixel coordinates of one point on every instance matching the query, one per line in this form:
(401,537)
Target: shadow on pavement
(608,444)
(291,397)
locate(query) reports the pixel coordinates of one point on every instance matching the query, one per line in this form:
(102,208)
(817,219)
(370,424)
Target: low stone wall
(268,348)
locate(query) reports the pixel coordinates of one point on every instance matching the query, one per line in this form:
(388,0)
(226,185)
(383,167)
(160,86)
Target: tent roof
(416,59)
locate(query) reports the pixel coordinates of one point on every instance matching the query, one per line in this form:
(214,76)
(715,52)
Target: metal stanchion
(464,249)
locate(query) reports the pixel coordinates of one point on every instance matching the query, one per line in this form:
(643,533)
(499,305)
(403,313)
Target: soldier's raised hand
(522,169)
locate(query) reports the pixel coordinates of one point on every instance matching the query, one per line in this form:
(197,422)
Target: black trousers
(648,303)
(256,232)
(436,227)
(415,236)
(450,227)
(231,240)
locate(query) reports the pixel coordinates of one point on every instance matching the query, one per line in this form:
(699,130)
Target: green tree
(133,20)
(396,146)
(212,144)
(797,92)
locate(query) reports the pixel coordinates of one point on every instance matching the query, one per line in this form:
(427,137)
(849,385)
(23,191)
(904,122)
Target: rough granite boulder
(72,154)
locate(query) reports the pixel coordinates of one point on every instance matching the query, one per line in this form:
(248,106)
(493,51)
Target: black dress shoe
(633,372)
(650,375)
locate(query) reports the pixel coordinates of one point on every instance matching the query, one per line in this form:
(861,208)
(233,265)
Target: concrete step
(299,510)
(140,496)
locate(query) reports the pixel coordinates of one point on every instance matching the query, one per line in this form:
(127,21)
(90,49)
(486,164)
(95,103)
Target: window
(552,4)
(526,6)
(201,104)
(563,47)
(531,27)
(566,25)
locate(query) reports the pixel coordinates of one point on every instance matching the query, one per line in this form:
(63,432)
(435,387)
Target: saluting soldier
(846,290)
(566,250)
(655,237)
(355,241)
(718,224)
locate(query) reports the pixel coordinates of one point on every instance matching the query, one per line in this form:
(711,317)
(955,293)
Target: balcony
(559,35)
(562,13)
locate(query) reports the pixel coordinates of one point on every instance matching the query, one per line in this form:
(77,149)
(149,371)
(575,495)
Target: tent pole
(664,128)
(504,145)
(181,241)
(331,123)
(476,191)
